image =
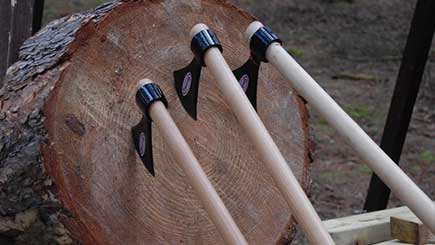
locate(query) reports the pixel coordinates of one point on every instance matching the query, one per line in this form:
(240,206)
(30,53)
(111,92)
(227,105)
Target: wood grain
(89,81)
(373,227)
(366,228)
(410,229)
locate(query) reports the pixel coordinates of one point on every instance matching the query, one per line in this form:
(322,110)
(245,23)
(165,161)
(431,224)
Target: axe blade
(187,86)
(143,143)
(247,76)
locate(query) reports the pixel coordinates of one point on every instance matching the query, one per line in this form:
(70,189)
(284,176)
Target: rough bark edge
(40,64)
(305,180)
(24,183)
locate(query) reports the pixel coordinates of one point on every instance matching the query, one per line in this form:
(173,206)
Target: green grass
(415,168)
(296,52)
(321,124)
(363,169)
(344,1)
(427,156)
(360,112)
(332,176)
(99,2)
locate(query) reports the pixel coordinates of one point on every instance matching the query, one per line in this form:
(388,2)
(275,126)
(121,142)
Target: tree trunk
(69,171)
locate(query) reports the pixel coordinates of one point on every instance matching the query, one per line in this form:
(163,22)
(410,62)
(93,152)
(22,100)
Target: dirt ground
(353,49)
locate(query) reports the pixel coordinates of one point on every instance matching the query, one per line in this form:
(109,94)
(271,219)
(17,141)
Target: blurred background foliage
(55,9)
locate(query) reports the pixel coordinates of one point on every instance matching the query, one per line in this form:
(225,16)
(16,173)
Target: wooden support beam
(368,228)
(365,228)
(405,93)
(410,229)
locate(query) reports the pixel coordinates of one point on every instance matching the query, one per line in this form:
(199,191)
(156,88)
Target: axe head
(247,76)
(143,143)
(187,85)
(187,79)
(146,95)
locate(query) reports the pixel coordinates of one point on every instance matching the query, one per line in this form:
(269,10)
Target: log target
(80,75)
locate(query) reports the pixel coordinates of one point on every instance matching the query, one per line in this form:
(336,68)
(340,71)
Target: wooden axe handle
(184,156)
(365,147)
(269,153)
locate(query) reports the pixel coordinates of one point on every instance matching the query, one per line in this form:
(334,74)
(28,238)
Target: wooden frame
(381,227)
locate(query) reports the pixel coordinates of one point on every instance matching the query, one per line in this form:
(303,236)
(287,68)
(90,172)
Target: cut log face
(86,88)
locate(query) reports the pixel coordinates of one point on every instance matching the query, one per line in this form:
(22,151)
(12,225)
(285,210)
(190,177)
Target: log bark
(67,161)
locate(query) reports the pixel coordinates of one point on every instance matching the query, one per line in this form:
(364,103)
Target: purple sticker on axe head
(244,82)
(142,144)
(187,82)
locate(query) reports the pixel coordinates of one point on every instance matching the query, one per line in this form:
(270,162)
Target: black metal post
(18,21)
(404,96)
(38,11)
(5,26)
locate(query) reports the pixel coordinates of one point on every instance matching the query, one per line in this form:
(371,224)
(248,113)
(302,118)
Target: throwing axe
(364,146)
(207,52)
(152,102)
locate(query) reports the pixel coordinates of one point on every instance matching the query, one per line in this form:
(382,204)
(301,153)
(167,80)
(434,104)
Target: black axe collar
(187,79)
(142,137)
(247,74)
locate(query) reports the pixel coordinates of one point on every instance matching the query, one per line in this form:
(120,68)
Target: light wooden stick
(198,179)
(365,147)
(293,193)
